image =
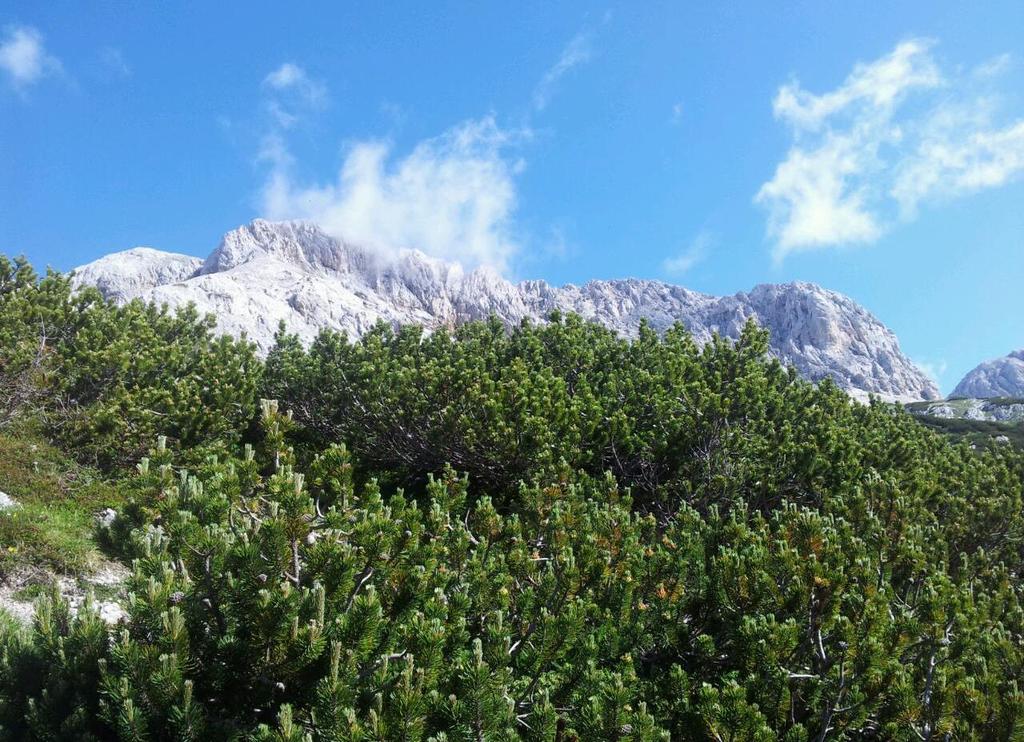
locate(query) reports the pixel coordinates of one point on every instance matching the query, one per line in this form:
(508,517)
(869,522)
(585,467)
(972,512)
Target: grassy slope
(52,530)
(960,405)
(981,433)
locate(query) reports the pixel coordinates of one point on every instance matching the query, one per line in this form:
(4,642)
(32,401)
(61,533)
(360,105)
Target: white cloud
(813,201)
(452,197)
(877,86)
(23,57)
(994,66)
(292,92)
(274,150)
(696,252)
(113,60)
(946,164)
(934,370)
(578,51)
(897,133)
(394,114)
(677,113)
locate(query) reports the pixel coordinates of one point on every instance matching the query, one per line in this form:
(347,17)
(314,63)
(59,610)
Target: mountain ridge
(265,272)
(998,377)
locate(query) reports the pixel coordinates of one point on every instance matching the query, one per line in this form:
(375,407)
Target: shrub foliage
(106,380)
(547,533)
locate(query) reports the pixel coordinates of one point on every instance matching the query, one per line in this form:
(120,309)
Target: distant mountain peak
(999,377)
(265,272)
(298,243)
(124,275)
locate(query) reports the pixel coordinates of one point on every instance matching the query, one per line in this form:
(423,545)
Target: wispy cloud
(274,151)
(814,198)
(935,370)
(452,196)
(23,57)
(949,162)
(114,63)
(578,51)
(876,87)
(897,133)
(695,252)
(290,76)
(677,113)
(997,65)
(292,92)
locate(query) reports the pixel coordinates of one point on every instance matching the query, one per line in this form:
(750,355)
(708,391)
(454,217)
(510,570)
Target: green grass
(990,400)
(981,433)
(959,405)
(30,592)
(53,528)
(962,404)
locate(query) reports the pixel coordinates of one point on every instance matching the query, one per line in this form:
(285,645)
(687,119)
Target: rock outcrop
(1000,377)
(266,272)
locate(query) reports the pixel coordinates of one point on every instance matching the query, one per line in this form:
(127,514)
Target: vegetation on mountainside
(978,433)
(106,380)
(50,528)
(546,533)
(972,420)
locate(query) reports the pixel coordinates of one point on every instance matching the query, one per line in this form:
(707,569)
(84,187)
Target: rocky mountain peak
(297,243)
(999,377)
(124,275)
(266,272)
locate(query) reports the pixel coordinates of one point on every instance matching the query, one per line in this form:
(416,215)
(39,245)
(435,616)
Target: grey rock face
(266,272)
(125,275)
(1001,377)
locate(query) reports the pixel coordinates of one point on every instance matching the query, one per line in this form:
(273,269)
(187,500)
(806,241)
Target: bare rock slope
(266,272)
(1001,377)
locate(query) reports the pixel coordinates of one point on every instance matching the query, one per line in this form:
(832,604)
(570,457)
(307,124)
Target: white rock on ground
(266,272)
(105,518)
(7,502)
(109,575)
(993,410)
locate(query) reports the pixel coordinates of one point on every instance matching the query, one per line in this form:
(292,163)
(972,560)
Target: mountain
(266,272)
(125,275)
(983,423)
(987,407)
(1000,377)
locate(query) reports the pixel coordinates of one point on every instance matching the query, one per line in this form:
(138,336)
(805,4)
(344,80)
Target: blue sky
(876,150)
